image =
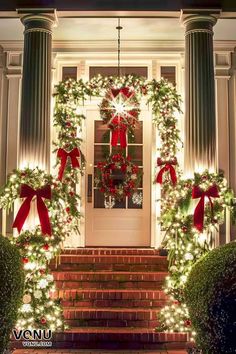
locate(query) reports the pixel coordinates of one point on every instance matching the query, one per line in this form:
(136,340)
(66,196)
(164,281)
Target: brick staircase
(111,298)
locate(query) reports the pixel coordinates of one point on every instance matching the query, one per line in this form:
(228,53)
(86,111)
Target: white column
(200,123)
(35,125)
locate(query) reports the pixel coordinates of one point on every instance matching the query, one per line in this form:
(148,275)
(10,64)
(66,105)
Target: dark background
(135,5)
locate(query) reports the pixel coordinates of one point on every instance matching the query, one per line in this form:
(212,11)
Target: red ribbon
(168,167)
(28,193)
(63,155)
(117,126)
(197,192)
(119,133)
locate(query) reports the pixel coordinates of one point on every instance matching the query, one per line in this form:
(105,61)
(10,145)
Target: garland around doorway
(190,209)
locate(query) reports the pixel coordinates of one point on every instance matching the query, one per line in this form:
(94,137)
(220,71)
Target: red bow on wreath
(119,122)
(118,132)
(63,155)
(124,91)
(28,193)
(168,166)
(197,192)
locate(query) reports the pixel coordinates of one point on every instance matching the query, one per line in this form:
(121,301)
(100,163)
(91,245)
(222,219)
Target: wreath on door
(117,177)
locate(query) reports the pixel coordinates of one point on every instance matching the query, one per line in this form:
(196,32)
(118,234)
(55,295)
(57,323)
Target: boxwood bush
(211,298)
(11,289)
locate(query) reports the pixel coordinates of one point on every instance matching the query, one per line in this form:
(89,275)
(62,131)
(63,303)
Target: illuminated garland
(186,244)
(68,120)
(37,248)
(165,107)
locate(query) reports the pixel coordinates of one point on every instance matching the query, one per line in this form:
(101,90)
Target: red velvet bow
(168,167)
(28,193)
(63,155)
(124,90)
(197,192)
(118,132)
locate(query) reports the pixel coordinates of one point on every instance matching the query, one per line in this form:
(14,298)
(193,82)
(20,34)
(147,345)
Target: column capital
(199,20)
(38,20)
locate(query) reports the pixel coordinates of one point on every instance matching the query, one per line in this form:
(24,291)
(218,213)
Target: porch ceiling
(104,29)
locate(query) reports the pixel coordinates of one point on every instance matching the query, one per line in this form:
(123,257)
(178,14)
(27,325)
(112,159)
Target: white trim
(150,47)
(101,14)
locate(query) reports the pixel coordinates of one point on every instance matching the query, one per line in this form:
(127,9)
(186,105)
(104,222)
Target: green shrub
(11,289)
(210,294)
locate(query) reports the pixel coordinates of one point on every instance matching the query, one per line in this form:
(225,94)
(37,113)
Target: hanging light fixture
(119,28)
(120,107)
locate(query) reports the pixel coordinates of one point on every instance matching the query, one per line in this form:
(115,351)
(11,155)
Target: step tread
(115,250)
(111,309)
(68,288)
(99,276)
(108,272)
(114,290)
(159,336)
(119,329)
(114,256)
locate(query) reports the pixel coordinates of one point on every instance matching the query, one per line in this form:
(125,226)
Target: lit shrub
(11,289)
(210,294)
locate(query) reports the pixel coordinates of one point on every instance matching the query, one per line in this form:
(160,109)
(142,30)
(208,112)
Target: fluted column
(200,121)
(34,140)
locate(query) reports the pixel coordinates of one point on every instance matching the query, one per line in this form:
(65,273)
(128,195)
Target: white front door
(126,224)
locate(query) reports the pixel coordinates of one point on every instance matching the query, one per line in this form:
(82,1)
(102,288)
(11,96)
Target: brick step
(109,294)
(114,303)
(109,267)
(113,259)
(109,284)
(138,314)
(113,276)
(106,323)
(111,251)
(117,338)
(110,317)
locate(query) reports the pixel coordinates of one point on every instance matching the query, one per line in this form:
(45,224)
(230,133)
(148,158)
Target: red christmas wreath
(117,177)
(120,110)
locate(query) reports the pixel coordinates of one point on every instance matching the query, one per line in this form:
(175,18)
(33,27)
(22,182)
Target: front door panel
(126,224)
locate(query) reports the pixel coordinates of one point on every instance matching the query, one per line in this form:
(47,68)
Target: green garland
(37,250)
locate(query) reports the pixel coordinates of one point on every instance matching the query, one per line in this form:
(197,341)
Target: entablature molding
(171,46)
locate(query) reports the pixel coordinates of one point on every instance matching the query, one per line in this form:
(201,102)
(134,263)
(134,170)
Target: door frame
(155,237)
